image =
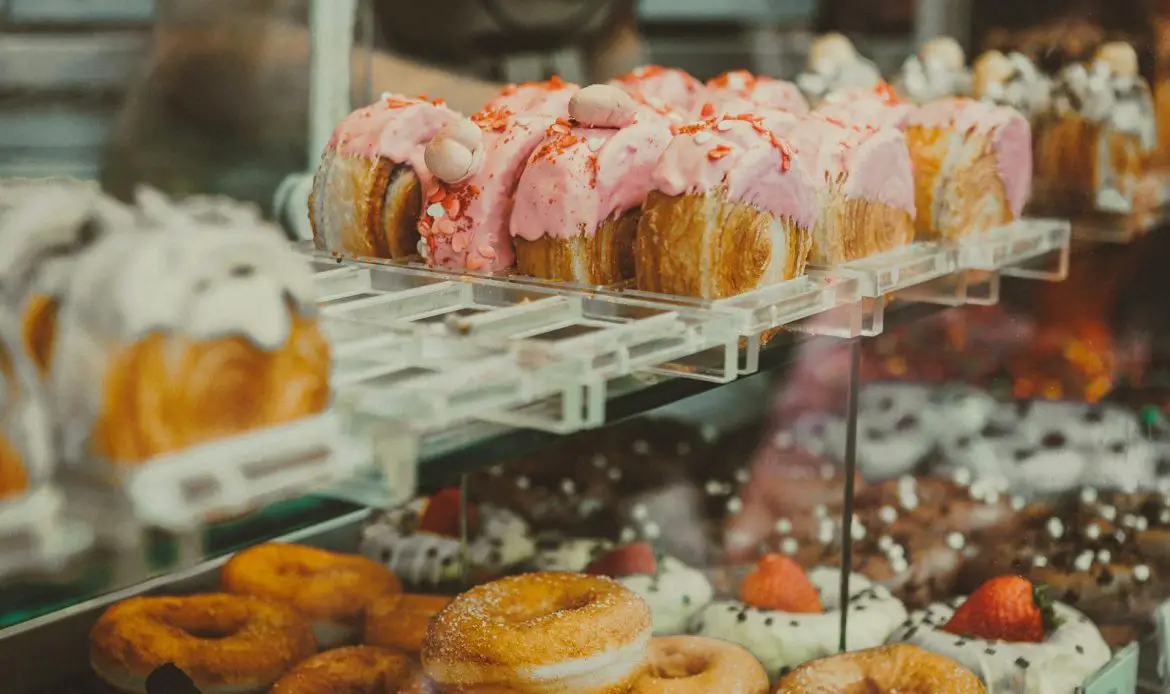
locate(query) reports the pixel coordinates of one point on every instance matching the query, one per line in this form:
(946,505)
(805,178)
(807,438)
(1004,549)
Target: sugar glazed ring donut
(897,668)
(224,643)
(400,621)
(540,632)
(356,669)
(330,589)
(697,665)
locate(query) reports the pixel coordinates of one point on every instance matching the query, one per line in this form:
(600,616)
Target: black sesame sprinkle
(1080,649)
(989,651)
(1022,663)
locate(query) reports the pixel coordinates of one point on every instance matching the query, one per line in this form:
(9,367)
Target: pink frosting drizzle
(872,164)
(741,153)
(466,225)
(396,128)
(739,86)
(1008,129)
(548,98)
(580,177)
(665,85)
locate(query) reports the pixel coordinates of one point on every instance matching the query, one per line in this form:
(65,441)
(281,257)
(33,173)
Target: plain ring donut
(356,670)
(539,633)
(699,665)
(898,668)
(331,589)
(226,644)
(400,621)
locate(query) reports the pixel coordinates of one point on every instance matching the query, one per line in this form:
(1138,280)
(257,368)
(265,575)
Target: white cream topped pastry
(556,553)
(786,619)
(1056,657)
(420,542)
(833,65)
(937,71)
(674,591)
(1012,80)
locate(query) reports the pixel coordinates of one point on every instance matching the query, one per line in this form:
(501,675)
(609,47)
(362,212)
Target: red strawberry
(778,583)
(634,558)
(1008,608)
(441,515)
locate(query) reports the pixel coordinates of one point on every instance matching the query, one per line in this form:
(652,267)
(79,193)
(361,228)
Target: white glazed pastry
(1059,664)
(557,553)
(182,335)
(938,70)
(674,591)
(1012,80)
(783,638)
(424,551)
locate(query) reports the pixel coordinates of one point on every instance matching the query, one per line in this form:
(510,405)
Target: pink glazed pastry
(733,92)
(665,85)
(730,210)
(468,204)
(866,188)
(580,197)
(974,166)
(548,98)
(367,192)
(871,108)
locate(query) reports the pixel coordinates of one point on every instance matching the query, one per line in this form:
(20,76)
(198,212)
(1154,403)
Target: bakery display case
(852,376)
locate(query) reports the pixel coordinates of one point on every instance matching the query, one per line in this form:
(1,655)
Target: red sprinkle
(718,152)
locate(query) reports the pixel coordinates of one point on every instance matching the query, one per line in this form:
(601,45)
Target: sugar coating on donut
(1062,663)
(784,640)
(534,631)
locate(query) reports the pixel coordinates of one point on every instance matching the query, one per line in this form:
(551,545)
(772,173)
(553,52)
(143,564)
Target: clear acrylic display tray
(37,536)
(1119,676)
(183,491)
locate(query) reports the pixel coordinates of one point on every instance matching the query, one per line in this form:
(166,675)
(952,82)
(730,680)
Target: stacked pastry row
(131,332)
(692,189)
(560,631)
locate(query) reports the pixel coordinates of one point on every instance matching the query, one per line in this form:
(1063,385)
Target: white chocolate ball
(992,67)
(1120,57)
(603,106)
(831,50)
(454,154)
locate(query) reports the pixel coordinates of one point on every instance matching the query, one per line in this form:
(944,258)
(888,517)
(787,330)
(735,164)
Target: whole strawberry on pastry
(1010,634)
(786,617)
(420,542)
(674,591)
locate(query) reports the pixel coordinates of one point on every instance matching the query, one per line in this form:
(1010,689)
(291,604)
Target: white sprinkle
(1104,556)
(1089,495)
(962,476)
(599,461)
(1018,503)
(734,505)
(1143,524)
(724,126)
(888,514)
(1119,536)
(1055,528)
(784,526)
(522,482)
(1109,513)
(651,530)
(496,470)
(908,493)
(595,143)
(614,474)
(820,511)
(641,447)
(709,433)
(825,531)
(524,120)
(674,116)
(783,440)
(569,487)
(1085,561)
(742,475)
(956,541)
(899,564)
(628,535)
(1141,573)
(702,137)
(789,546)
(639,512)
(857,530)
(713,488)
(1040,560)
(386,95)
(436,210)
(683,448)
(1129,520)
(885,542)
(897,551)
(1093,531)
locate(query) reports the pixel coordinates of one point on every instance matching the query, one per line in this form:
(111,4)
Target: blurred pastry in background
(1012,80)
(938,70)
(834,64)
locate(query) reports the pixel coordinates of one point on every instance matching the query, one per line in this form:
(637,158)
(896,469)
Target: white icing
(1055,666)
(925,80)
(785,640)
(828,76)
(502,541)
(573,554)
(674,595)
(597,672)
(24,419)
(1027,90)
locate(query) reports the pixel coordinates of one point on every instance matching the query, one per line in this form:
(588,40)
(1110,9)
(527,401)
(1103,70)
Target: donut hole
(537,611)
(204,628)
(672,664)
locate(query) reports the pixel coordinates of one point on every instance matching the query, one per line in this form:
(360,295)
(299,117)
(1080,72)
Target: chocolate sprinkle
(1022,663)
